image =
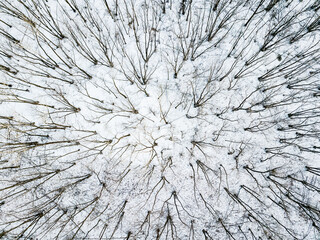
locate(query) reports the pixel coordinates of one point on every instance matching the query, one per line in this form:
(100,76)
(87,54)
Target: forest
(160,119)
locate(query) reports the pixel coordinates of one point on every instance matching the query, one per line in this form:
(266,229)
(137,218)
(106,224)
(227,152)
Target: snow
(181,137)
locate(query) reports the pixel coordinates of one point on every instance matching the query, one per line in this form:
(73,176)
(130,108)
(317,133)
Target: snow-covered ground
(159,119)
